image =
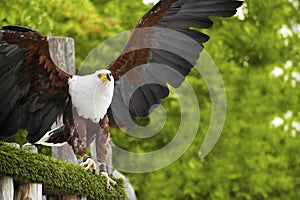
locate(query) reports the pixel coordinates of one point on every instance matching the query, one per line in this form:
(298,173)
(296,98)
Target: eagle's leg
(78,146)
(102,155)
(80,149)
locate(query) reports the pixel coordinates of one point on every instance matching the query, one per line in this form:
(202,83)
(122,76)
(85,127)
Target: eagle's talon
(109,189)
(109,181)
(89,164)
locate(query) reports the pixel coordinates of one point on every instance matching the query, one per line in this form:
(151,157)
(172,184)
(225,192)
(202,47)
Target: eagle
(35,92)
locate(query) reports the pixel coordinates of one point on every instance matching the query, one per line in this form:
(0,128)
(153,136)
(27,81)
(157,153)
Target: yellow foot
(89,164)
(109,181)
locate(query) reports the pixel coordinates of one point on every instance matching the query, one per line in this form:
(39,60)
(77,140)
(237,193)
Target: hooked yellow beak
(103,77)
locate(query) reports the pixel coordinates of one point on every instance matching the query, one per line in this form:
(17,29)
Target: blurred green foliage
(88,22)
(254,159)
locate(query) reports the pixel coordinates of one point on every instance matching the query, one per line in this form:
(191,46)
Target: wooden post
(7,183)
(62,53)
(29,191)
(6,187)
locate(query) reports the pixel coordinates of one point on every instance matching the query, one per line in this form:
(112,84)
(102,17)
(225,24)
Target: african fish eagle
(34,91)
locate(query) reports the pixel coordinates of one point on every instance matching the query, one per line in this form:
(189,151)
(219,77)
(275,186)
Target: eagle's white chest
(90,96)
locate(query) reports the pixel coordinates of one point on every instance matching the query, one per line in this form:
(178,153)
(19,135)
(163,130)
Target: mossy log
(57,177)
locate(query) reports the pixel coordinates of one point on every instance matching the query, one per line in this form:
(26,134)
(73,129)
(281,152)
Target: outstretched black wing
(33,90)
(162,49)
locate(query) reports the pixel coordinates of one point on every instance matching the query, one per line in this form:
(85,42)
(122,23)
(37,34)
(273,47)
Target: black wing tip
(17,28)
(238,4)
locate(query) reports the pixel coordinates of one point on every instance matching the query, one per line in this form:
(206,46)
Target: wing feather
(166,47)
(34,91)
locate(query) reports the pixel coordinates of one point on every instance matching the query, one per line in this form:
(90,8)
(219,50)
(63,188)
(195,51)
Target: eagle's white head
(104,75)
(92,94)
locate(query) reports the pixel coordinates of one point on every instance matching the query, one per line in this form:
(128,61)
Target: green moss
(55,175)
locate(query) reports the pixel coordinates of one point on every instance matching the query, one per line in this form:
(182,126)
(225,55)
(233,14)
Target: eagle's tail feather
(54,137)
